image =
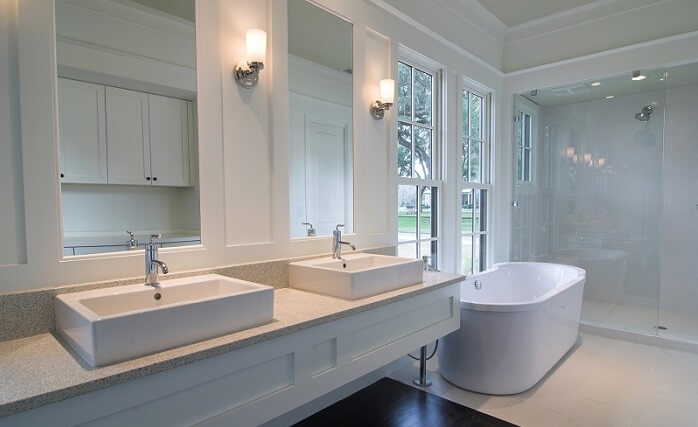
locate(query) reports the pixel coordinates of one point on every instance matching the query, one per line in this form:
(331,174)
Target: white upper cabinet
(128,137)
(82,127)
(170,131)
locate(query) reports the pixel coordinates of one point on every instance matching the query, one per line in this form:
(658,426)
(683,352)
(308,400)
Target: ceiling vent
(569,90)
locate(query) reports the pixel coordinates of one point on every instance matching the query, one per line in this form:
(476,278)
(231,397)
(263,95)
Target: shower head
(644,115)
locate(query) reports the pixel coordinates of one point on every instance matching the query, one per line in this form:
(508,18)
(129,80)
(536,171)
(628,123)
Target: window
(475,185)
(524,136)
(418,167)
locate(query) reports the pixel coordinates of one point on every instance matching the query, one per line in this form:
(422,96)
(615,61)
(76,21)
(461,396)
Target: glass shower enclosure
(606,178)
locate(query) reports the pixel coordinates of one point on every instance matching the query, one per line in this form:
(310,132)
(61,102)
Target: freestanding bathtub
(517,321)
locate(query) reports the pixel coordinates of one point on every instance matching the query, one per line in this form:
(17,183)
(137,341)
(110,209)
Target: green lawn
(407,223)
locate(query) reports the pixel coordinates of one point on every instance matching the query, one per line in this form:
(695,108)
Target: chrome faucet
(152,263)
(310,231)
(132,242)
(337,242)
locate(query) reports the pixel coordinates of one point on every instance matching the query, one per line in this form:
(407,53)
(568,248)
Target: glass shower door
(678,315)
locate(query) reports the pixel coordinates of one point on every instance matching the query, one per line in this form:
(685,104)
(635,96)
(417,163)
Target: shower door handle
(515,204)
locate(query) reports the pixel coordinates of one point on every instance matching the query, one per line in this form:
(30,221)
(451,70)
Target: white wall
(12,250)
(116,208)
(679,269)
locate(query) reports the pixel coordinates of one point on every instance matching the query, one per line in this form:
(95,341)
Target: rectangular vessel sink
(110,325)
(357,276)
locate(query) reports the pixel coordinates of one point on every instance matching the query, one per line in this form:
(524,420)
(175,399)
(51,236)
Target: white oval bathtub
(517,321)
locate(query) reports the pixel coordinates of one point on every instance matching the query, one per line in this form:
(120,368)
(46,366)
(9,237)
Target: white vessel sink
(357,276)
(110,325)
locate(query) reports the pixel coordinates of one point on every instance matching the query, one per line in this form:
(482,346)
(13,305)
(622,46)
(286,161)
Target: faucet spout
(152,263)
(337,243)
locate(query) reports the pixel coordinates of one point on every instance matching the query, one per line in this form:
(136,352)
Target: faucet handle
(338,227)
(154,236)
(130,233)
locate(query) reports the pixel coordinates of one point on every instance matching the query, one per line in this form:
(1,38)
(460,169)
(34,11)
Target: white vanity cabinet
(82,127)
(110,135)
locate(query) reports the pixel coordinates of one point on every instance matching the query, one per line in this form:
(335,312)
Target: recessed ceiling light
(637,75)
(610,96)
(596,84)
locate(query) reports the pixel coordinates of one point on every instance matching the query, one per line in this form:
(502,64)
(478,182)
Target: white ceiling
(517,12)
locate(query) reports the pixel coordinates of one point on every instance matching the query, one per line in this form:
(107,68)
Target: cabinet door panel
(83,144)
(169,140)
(128,145)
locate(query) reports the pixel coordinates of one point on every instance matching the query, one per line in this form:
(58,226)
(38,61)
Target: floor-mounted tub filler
(517,321)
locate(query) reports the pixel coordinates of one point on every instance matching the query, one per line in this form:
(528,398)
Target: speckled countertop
(41,369)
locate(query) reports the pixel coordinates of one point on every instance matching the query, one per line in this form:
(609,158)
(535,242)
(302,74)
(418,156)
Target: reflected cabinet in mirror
(127,124)
(320,117)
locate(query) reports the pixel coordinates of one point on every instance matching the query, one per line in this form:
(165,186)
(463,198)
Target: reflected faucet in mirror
(310,232)
(132,242)
(152,263)
(337,242)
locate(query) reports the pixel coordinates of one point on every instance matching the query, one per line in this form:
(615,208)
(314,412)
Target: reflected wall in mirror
(127,123)
(320,116)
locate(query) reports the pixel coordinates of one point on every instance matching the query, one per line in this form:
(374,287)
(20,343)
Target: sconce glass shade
(256,45)
(387,87)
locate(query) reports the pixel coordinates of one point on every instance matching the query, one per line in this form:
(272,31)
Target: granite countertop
(41,370)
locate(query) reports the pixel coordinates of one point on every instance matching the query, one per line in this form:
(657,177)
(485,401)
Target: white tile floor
(601,382)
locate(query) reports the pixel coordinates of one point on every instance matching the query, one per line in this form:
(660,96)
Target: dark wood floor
(392,403)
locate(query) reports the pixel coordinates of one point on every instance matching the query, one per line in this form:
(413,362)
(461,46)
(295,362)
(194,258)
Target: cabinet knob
(62,176)
(155,178)
(147,178)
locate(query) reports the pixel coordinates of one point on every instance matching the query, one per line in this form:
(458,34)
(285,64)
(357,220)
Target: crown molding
(433,34)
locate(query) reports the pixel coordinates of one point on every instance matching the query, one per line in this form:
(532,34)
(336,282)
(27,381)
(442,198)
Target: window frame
(416,62)
(521,107)
(485,183)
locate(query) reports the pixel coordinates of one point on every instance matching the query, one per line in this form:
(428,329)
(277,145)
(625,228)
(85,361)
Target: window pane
(404,149)
(423,154)
(407,213)
(527,131)
(527,164)
(407,250)
(480,211)
(475,149)
(477,253)
(467,208)
(428,213)
(475,116)
(519,164)
(467,254)
(517,129)
(422,97)
(466,112)
(404,91)
(466,159)
(429,249)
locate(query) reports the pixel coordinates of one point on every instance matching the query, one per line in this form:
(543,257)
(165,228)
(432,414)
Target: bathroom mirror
(320,121)
(127,124)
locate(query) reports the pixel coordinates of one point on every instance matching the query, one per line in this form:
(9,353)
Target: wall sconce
(386,100)
(247,75)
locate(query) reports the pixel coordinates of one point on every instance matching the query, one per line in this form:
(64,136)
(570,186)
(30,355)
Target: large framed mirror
(321,148)
(126,73)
